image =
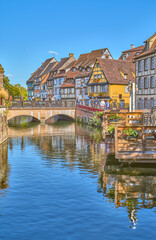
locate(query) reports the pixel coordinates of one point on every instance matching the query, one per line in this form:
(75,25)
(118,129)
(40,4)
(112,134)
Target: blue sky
(30,29)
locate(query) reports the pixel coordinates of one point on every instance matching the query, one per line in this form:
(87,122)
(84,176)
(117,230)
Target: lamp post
(132,88)
(130,91)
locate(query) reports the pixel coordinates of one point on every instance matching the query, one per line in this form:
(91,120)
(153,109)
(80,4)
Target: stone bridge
(42,114)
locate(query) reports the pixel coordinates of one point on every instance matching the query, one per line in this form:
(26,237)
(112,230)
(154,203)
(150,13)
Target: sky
(31,30)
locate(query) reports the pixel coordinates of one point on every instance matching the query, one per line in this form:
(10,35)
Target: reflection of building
(4,169)
(132,188)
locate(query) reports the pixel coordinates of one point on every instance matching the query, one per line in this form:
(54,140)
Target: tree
(16,91)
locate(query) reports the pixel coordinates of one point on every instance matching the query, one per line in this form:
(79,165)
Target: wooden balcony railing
(142,147)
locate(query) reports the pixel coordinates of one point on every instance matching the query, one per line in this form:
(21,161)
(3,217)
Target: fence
(42,104)
(142,146)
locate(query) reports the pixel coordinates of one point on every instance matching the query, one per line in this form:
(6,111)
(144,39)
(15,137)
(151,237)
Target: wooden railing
(141,147)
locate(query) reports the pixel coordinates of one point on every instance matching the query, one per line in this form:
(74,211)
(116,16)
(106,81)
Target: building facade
(57,76)
(109,81)
(146,75)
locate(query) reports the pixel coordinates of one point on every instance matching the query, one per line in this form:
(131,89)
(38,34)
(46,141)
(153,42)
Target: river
(62,182)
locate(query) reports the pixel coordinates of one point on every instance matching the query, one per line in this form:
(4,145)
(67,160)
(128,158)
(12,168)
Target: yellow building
(109,80)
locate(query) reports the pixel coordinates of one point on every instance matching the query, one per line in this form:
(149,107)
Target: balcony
(71,95)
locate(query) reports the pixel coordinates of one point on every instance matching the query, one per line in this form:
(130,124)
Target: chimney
(131,46)
(71,55)
(1,75)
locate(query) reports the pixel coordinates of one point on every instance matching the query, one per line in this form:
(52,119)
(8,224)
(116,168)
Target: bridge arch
(59,117)
(41,114)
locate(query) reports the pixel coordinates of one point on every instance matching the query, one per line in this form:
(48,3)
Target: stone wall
(3,125)
(83,115)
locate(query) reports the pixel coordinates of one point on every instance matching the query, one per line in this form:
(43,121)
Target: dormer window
(125,76)
(74,69)
(147,46)
(83,70)
(124,57)
(88,69)
(97,65)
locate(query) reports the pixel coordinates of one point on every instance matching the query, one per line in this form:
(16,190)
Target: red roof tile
(112,68)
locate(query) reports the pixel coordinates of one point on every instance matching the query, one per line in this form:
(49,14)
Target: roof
(133,52)
(151,50)
(150,38)
(65,85)
(57,67)
(65,73)
(91,57)
(83,74)
(49,68)
(72,74)
(88,59)
(60,64)
(39,70)
(112,70)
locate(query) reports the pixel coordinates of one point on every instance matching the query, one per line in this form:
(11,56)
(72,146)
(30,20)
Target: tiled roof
(112,70)
(93,56)
(65,85)
(60,64)
(132,53)
(65,73)
(49,68)
(151,50)
(72,74)
(83,74)
(39,70)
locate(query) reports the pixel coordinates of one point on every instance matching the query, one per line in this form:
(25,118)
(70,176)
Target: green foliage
(113,117)
(131,133)
(16,91)
(95,121)
(99,114)
(111,129)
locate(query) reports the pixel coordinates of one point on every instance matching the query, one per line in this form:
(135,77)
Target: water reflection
(4,167)
(82,148)
(132,187)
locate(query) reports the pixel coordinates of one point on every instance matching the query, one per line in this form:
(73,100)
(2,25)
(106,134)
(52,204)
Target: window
(72,90)
(140,85)
(125,76)
(147,46)
(122,103)
(152,83)
(120,96)
(146,64)
(83,70)
(126,89)
(124,57)
(97,65)
(74,69)
(60,81)
(98,89)
(139,66)
(92,88)
(146,82)
(152,63)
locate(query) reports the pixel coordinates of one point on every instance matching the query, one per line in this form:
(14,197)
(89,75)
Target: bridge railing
(42,104)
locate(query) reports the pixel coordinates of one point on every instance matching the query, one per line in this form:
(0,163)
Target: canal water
(62,182)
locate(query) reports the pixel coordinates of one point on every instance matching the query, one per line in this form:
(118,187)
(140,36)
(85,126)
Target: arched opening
(23,121)
(59,118)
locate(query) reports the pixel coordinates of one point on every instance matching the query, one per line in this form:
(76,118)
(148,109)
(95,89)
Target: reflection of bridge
(42,114)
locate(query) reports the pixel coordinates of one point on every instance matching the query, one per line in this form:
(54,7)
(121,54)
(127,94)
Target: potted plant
(113,117)
(99,115)
(154,134)
(111,130)
(130,134)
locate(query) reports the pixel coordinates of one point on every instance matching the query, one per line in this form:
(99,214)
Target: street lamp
(131,89)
